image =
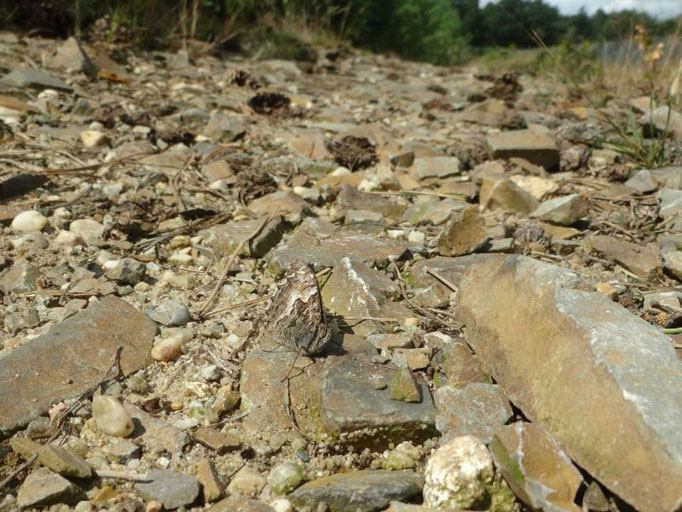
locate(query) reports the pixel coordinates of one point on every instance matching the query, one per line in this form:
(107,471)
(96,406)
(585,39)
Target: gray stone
(261,391)
(27,77)
(128,271)
(121,450)
(643,182)
(642,260)
(536,468)
(458,366)
(538,148)
(43,487)
(71,357)
(365,220)
(436,167)
(585,369)
(224,127)
(672,262)
(477,409)
(565,210)
(670,202)
(157,435)
(432,211)
(171,488)
(358,491)
(452,269)
(350,198)
(322,244)
(285,477)
(353,401)
(169,312)
(283,202)
(504,194)
(63,461)
(670,177)
(664,119)
(224,238)
(71,56)
(238,503)
(21,278)
(355,290)
(464,233)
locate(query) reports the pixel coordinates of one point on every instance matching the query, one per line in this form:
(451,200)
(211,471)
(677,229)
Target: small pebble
(28,221)
(111,417)
(281,505)
(169,312)
(153,506)
(167,350)
(93,138)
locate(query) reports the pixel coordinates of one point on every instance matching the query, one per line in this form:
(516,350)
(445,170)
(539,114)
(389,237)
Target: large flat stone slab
(354,398)
(604,383)
(71,357)
(536,147)
(323,244)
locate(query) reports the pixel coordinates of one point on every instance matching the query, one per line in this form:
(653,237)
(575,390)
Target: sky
(658,8)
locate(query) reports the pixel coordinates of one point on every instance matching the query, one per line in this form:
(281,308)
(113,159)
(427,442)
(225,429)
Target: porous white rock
(458,474)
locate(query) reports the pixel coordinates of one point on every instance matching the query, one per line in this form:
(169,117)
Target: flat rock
(457,366)
(322,244)
(212,489)
(238,503)
(156,435)
(350,198)
(538,148)
(604,383)
(20,278)
(358,491)
(356,290)
(71,357)
(71,56)
(354,398)
(644,261)
(464,233)
(452,269)
(224,238)
(63,461)
(536,468)
(284,202)
(169,312)
(35,79)
(43,487)
(478,409)
(565,210)
(663,118)
(171,488)
(436,167)
(643,182)
(504,194)
(433,211)
(670,202)
(262,389)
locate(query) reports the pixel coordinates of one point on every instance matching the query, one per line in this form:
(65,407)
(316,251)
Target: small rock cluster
(497,290)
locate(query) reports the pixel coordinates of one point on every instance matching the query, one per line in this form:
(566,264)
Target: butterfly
(296,318)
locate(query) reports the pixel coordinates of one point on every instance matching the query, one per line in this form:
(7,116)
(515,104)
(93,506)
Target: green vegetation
(437,31)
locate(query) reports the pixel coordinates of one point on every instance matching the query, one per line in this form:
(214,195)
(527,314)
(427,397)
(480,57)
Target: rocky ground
(500,292)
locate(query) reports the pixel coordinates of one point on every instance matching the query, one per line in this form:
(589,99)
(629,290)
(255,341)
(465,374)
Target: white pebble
(111,417)
(281,505)
(167,350)
(93,138)
(28,221)
(68,239)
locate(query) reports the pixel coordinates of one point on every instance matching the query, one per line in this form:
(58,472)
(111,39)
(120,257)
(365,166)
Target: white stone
(167,350)
(68,239)
(93,138)
(458,474)
(281,505)
(416,237)
(111,417)
(30,220)
(87,228)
